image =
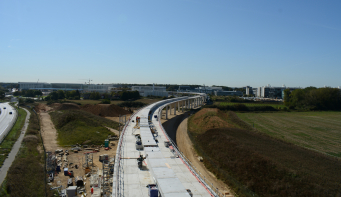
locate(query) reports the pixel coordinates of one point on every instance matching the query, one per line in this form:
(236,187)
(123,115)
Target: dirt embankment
(176,128)
(172,124)
(185,145)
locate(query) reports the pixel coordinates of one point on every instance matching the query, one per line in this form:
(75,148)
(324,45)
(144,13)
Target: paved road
(6,119)
(11,156)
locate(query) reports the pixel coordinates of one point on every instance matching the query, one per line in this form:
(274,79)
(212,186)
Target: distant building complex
(66,86)
(268,91)
(228,93)
(151,90)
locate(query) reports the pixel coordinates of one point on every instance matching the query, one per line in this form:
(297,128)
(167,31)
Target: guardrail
(118,156)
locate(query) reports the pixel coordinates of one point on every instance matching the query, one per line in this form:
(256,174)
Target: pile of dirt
(207,119)
(105,110)
(67,106)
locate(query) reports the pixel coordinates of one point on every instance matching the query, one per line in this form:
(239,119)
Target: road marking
(4,129)
(167,165)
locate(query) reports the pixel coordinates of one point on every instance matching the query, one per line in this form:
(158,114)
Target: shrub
(105,101)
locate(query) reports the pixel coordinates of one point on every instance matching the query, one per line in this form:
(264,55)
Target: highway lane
(6,119)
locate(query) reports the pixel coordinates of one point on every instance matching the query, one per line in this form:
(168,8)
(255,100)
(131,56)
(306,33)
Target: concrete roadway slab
(171,174)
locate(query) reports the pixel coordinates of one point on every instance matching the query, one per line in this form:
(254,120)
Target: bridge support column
(174,105)
(167,112)
(182,106)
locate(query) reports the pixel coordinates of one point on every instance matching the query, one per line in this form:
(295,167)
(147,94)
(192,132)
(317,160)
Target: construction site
(79,169)
(143,161)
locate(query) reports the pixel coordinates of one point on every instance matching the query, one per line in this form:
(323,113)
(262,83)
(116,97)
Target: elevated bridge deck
(164,165)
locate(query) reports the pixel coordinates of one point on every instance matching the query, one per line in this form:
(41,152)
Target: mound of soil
(208,118)
(105,110)
(64,106)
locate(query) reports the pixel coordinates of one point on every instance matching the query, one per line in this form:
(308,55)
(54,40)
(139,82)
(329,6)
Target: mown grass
(26,176)
(276,106)
(12,136)
(76,126)
(320,131)
(255,164)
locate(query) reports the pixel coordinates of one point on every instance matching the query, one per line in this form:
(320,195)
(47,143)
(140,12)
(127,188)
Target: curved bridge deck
(164,166)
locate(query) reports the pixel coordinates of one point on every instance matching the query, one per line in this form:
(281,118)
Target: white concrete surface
(163,166)
(6,120)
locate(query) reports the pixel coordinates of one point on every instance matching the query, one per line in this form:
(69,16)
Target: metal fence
(118,168)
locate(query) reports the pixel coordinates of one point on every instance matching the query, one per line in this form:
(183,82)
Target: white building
(151,90)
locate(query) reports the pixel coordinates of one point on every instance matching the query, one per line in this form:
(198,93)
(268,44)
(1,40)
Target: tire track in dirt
(48,131)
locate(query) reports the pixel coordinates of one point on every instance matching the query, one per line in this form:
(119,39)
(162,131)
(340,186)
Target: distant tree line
(312,98)
(129,95)
(28,93)
(131,104)
(61,94)
(2,94)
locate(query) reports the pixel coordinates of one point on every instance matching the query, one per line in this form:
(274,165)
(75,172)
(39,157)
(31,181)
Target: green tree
(95,96)
(61,94)
(17,93)
(287,97)
(38,93)
(2,94)
(29,93)
(54,95)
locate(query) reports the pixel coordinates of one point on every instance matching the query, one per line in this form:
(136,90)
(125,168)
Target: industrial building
(66,86)
(249,90)
(151,90)
(207,89)
(228,93)
(268,91)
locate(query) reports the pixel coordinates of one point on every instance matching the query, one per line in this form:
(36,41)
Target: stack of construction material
(79,181)
(94,180)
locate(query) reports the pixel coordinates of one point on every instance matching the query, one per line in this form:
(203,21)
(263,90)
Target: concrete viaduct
(165,169)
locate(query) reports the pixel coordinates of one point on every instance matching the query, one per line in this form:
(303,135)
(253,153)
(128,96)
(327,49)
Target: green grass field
(254,104)
(77,126)
(320,131)
(11,138)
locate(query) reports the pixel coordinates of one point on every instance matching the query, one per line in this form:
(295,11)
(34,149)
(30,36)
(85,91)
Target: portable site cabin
(71,191)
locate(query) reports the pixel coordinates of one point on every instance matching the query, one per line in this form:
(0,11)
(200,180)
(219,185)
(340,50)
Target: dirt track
(48,131)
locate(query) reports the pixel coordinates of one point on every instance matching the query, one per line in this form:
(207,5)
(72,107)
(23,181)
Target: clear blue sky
(212,42)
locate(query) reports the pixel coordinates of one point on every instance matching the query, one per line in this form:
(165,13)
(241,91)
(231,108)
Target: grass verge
(12,136)
(276,106)
(77,126)
(26,175)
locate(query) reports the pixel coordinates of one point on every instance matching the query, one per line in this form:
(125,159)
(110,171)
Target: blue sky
(212,42)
